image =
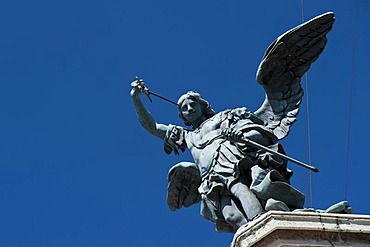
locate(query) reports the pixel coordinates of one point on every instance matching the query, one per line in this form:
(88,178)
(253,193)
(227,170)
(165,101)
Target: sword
(257,145)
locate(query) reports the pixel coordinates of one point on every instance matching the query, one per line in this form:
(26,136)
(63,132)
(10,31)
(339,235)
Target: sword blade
(257,145)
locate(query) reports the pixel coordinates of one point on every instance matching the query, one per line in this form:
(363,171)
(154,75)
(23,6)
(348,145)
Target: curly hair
(204,104)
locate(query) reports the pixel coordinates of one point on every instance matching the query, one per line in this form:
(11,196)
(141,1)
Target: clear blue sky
(77,169)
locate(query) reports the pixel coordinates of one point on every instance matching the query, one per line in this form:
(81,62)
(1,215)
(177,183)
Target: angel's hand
(233,135)
(138,87)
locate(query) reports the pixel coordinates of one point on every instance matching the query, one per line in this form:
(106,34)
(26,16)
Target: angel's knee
(235,218)
(233,215)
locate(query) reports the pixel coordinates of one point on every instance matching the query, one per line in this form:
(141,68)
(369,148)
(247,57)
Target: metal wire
(308,133)
(350,99)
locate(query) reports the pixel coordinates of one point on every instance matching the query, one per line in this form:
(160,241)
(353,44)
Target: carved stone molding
(304,229)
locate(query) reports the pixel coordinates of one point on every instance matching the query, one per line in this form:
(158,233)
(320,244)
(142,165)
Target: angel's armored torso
(211,152)
(204,141)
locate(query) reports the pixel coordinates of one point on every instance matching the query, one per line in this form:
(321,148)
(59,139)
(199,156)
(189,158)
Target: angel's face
(192,111)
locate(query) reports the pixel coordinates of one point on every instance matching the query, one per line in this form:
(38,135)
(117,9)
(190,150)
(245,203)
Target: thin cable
(302,12)
(350,99)
(308,136)
(308,121)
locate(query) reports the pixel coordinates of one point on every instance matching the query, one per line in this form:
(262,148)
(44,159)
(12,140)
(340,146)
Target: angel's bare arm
(145,118)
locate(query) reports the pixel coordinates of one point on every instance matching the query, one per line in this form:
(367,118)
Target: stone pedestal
(304,229)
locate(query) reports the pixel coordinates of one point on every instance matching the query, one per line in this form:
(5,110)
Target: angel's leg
(250,204)
(232,213)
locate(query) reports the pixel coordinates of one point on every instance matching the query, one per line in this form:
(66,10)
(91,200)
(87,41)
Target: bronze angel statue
(234,181)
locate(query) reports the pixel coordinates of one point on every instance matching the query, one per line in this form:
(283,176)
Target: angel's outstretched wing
(284,63)
(183,182)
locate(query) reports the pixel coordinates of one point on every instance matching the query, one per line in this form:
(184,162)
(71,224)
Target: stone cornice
(304,229)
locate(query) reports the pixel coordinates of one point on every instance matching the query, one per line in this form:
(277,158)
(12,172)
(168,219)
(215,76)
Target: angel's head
(193,109)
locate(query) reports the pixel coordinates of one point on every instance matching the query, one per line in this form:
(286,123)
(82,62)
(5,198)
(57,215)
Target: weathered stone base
(304,229)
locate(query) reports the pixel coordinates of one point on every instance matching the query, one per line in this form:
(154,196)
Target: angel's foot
(342,207)
(273,204)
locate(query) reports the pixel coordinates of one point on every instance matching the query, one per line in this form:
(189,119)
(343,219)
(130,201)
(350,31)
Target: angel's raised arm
(145,118)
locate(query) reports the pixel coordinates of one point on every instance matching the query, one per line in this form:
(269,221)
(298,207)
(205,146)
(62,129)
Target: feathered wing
(286,60)
(183,182)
